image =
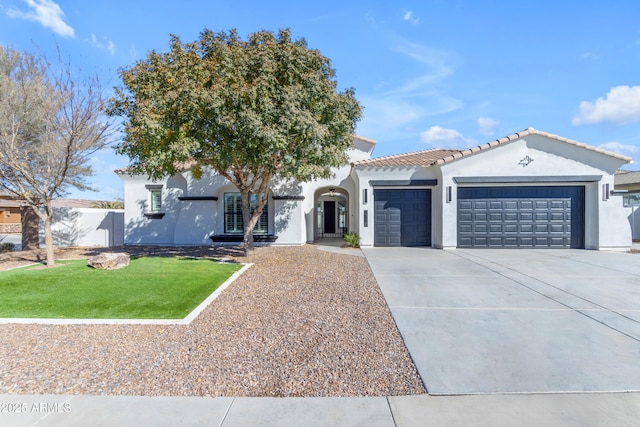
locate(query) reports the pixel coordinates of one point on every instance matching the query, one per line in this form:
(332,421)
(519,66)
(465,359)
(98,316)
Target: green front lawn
(149,288)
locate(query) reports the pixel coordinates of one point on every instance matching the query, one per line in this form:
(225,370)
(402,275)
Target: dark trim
(192,198)
(288,197)
(224,238)
(525,179)
(403,182)
(154,215)
(153,186)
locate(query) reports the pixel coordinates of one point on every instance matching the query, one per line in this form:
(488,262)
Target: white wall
(191,222)
(365,175)
(604,228)
(86,227)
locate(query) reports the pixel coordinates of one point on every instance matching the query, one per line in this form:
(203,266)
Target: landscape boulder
(109,261)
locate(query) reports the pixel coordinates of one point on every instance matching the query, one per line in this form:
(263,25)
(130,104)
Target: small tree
(50,124)
(250,110)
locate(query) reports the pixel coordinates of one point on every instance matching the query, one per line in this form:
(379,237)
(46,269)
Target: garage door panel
(466,228)
(510,242)
(521,217)
(511,216)
(495,228)
(403,217)
(466,217)
(511,228)
(480,228)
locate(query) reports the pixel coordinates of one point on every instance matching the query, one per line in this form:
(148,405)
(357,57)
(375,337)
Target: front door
(329,216)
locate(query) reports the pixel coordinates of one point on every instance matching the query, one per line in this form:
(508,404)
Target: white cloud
(104,44)
(617,147)
(47,13)
(487,126)
(440,137)
(409,17)
(621,105)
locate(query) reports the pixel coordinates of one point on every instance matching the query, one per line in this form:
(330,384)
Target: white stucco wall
(603,226)
(86,227)
(191,222)
(140,229)
(365,175)
(606,224)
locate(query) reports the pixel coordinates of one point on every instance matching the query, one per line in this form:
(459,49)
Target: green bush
(352,239)
(6,247)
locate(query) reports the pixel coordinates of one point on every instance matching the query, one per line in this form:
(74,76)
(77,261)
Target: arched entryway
(331,213)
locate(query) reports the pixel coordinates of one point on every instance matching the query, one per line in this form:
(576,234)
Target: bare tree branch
(50,124)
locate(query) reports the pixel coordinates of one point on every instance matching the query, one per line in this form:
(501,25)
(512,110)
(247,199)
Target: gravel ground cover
(299,322)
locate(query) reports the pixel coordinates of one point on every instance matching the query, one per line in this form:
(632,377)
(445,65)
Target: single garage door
(402,217)
(521,217)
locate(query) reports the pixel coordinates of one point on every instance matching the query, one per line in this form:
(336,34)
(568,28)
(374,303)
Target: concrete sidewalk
(589,409)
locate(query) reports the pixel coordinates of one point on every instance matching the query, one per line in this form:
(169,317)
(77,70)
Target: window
(154,203)
(233,222)
(156,200)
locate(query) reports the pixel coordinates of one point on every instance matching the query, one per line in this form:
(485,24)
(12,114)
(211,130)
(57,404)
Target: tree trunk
(247,244)
(30,228)
(48,237)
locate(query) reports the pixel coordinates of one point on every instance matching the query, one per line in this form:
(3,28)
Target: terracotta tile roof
(438,156)
(416,158)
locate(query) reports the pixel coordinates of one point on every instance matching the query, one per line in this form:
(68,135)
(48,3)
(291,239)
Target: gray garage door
(513,217)
(402,217)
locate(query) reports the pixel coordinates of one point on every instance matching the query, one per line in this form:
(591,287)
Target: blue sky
(431,73)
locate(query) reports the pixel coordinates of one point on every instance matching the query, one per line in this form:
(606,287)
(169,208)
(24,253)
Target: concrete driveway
(515,321)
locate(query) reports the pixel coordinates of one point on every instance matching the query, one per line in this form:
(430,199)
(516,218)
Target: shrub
(352,239)
(7,247)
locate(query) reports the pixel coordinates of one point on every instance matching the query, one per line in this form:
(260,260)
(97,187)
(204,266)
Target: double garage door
(513,217)
(488,217)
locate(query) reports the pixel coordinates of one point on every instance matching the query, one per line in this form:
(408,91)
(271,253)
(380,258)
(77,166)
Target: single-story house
(529,189)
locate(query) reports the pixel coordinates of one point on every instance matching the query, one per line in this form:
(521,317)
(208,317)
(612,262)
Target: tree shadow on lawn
(194,252)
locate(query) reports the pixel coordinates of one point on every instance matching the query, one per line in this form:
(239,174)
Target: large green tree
(51,123)
(252,110)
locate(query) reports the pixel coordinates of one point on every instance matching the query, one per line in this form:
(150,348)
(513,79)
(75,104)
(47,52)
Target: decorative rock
(109,261)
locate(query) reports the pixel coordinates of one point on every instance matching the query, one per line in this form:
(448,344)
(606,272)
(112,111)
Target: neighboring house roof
(623,178)
(8,200)
(6,203)
(440,156)
(74,203)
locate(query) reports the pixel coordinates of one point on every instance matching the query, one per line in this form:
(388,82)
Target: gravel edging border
(184,321)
